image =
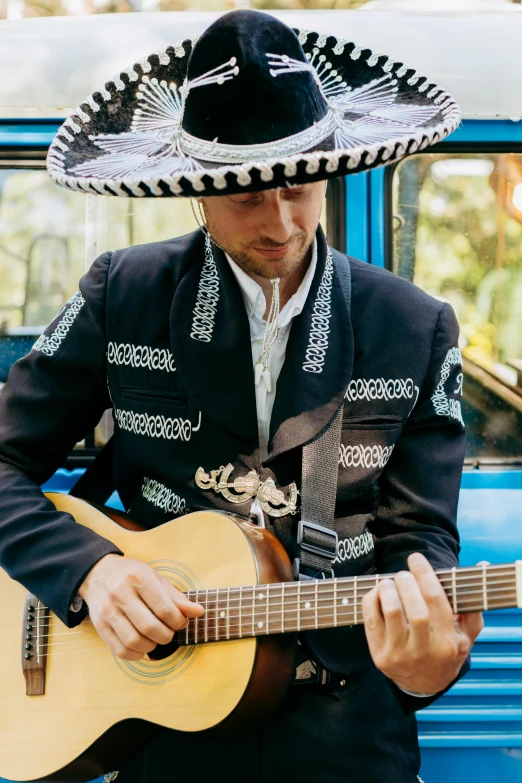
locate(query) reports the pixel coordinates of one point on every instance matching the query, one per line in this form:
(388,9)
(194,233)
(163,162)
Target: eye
(248,199)
(295,193)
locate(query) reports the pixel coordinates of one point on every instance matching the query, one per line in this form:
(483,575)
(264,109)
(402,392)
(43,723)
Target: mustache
(269,244)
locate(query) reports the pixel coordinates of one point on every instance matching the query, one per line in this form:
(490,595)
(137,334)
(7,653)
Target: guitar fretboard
(284,607)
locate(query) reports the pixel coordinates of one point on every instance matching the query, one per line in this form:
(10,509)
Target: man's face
(266,233)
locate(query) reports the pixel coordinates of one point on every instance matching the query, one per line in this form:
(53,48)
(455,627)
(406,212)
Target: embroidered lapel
(318,363)
(210,338)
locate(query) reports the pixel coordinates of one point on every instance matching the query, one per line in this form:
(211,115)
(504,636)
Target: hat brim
(120,141)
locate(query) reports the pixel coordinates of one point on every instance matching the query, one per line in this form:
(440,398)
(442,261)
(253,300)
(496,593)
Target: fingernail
(370,623)
(416,559)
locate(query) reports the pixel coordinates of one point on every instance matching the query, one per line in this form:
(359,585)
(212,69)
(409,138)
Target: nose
(277,221)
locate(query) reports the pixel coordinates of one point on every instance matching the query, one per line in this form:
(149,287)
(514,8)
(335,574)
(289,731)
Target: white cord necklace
(270,336)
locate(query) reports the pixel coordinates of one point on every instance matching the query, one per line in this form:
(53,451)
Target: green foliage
(464,252)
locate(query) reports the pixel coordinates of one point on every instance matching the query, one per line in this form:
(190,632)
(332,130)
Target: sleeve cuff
(417,695)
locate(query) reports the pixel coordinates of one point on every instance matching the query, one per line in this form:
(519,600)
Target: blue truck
(449,220)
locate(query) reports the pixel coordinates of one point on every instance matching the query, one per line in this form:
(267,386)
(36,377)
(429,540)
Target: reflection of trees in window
(49,235)
(458,235)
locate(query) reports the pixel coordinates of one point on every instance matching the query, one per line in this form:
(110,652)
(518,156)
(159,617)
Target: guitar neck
(285,607)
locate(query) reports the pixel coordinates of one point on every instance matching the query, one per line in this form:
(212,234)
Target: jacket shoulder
(144,262)
(390,297)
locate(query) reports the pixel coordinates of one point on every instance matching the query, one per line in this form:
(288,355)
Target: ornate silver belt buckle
(272,500)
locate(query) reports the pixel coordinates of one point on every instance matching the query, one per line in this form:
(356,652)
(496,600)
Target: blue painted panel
(357,217)
(491,479)
(377,217)
(487,130)
(27,134)
(490,523)
(455,765)
(63,481)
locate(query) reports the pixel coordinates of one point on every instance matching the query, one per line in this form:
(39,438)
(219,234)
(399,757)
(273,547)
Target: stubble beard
(268,269)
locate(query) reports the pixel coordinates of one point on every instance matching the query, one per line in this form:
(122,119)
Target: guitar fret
(283,608)
(253,610)
(187,633)
(315,599)
(240,611)
(206,617)
(228,613)
(485,587)
(267,605)
(38,632)
(299,606)
(196,621)
(335,603)
(355,600)
(454,587)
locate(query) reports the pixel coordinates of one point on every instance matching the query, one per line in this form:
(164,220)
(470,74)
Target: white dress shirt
(255,304)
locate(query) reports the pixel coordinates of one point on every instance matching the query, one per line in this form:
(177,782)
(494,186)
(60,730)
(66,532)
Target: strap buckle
(315,543)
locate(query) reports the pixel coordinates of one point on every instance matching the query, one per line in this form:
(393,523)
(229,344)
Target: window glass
(49,236)
(457,233)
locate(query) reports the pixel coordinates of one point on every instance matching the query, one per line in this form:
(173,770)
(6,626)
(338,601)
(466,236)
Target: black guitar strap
(316,538)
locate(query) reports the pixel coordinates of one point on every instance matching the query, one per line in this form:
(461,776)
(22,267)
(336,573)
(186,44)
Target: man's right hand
(132,607)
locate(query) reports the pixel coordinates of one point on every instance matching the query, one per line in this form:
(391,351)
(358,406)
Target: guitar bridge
(35,633)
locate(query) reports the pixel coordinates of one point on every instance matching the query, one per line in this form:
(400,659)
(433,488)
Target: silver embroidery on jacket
(381,389)
(444,405)
(156,426)
(49,344)
(162,497)
(320,326)
(140,356)
(350,548)
(207,298)
(364,456)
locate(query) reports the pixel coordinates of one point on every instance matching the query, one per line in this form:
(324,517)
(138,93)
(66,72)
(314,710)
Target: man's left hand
(413,635)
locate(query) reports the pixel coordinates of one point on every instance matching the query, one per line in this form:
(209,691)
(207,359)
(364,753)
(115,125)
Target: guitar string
(191,643)
(341,585)
(460,574)
(247,619)
(212,606)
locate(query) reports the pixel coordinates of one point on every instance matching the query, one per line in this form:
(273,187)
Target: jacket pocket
(374,423)
(159,396)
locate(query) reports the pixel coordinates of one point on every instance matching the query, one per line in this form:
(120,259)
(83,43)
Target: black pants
(320,734)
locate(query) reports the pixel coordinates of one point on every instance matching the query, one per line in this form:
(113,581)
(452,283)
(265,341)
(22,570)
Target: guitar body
(97,709)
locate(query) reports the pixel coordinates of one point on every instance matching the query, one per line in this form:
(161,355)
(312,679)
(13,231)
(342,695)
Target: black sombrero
(251,105)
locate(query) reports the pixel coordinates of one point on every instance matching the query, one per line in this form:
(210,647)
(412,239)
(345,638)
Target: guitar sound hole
(163,651)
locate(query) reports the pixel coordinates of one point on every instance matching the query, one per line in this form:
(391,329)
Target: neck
(287,285)
(236,612)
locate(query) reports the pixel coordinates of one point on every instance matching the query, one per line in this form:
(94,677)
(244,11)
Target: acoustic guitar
(71,711)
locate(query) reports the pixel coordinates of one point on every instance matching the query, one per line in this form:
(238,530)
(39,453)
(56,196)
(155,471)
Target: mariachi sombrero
(250,105)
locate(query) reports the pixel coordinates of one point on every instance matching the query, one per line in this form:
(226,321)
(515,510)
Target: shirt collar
(254,297)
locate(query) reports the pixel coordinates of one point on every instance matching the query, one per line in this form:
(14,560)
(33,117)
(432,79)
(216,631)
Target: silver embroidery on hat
(158,146)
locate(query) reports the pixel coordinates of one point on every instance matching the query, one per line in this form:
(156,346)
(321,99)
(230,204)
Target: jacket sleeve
(421,482)
(53,397)
(419,488)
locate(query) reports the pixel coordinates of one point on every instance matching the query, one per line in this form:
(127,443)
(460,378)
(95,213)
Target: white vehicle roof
(470,47)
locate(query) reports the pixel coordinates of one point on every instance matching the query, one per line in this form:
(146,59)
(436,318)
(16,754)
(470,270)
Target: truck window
(457,233)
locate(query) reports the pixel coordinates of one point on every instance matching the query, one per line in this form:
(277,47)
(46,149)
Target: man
(237,345)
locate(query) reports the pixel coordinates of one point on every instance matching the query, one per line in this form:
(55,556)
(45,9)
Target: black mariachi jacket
(160,333)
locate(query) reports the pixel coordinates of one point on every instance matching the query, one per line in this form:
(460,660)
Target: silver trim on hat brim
(216,152)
